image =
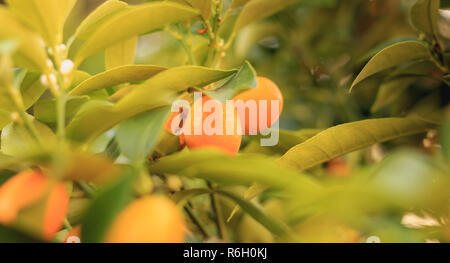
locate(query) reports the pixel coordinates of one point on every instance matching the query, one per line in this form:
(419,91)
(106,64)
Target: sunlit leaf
(47,17)
(121,53)
(97,117)
(132,21)
(349,137)
(16,140)
(116,76)
(95,19)
(31,53)
(397,54)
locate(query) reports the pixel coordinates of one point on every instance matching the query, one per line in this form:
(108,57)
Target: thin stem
(196,222)
(220,223)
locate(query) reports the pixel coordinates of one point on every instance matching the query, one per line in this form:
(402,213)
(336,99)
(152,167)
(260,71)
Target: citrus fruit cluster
(266,91)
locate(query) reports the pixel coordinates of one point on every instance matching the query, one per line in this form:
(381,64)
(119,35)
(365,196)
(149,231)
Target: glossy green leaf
(390,91)
(121,53)
(243,80)
(258,9)
(133,21)
(397,54)
(138,136)
(105,208)
(47,17)
(31,53)
(101,14)
(160,90)
(16,140)
(45,110)
(349,137)
(424,17)
(116,76)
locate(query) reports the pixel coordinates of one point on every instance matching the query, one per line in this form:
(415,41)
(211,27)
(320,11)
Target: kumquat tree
(232,121)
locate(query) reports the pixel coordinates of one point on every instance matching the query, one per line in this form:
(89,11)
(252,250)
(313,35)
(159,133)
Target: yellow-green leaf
(349,137)
(17,141)
(130,22)
(424,17)
(47,17)
(116,76)
(31,53)
(98,16)
(397,54)
(121,53)
(258,9)
(97,117)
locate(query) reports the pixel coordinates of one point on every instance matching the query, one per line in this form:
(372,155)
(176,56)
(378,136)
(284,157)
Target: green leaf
(121,54)
(243,80)
(159,91)
(132,21)
(390,91)
(101,14)
(258,9)
(45,110)
(271,223)
(7,104)
(31,89)
(349,137)
(244,169)
(397,54)
(17,141)
(116,76)
(47,17)
(424,17)
(138,136)
(105,208)
(31,52)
